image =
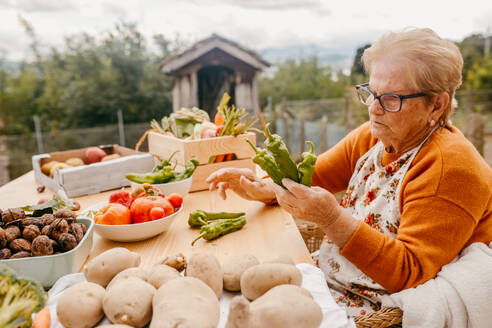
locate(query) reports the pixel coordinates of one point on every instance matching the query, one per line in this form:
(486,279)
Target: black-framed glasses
(390,102)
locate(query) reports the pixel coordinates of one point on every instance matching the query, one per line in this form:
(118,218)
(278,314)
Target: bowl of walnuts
(45,247)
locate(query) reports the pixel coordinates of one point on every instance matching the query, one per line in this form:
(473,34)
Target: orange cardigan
(445,205)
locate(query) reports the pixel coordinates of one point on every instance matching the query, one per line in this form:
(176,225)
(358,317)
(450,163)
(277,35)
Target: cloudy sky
(257,24)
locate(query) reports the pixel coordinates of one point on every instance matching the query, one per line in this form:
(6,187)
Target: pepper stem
(251,144)
(194,241)
(267,132)
(172,155)
(312,146)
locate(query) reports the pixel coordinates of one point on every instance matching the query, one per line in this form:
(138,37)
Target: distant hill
(341,58)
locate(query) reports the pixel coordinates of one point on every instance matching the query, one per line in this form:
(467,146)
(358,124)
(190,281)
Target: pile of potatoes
(162,297)
(25,236)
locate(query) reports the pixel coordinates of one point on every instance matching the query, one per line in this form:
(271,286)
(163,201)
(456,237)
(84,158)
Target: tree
(87,81)
(357,73)
(304,79)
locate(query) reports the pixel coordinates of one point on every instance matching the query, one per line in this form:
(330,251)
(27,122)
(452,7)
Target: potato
(46,167)
(110,157)
(294,307)
(130,272)
(81,306)
(284,306)
(105,266)
(186,303)
(260,278)
(234,267)
(207,268)
(281,258)
(115,326)
(177,261)
(58,166)
(74,161)
(129,302)
(160,274)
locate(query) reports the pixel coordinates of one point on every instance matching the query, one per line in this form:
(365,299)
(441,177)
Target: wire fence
(322,121)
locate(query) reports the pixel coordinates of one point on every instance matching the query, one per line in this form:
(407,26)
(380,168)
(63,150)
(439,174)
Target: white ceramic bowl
(181,187)
(47,269)
(131,232)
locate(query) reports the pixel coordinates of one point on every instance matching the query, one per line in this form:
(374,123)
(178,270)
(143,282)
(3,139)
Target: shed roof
(176,62)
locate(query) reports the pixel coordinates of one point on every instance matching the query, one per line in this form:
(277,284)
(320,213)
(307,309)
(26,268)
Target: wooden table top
(269,231)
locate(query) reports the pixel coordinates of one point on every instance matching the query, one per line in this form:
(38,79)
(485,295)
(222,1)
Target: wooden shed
(211,67)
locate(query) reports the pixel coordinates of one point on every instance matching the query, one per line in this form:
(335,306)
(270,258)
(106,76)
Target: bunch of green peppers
(199,218)
(276,161)
(164,172)
(215,225)
(219,228)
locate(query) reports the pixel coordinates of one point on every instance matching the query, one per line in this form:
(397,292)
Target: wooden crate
(92,178)
(202,150)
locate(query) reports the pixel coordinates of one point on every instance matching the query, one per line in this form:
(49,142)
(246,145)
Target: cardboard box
(203,150)
(92,178)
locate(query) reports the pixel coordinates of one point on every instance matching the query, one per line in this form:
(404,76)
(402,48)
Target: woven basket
(386,317)
(311,233)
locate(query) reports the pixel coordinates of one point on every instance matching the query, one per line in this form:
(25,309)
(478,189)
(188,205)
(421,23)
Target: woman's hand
(317,205)
(243,182)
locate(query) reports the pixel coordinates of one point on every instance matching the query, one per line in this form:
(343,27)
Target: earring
(432,123)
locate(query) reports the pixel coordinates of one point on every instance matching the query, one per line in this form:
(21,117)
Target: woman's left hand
(313,204)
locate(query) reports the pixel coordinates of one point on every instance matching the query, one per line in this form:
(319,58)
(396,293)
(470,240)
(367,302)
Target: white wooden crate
(202,150)
(92,178)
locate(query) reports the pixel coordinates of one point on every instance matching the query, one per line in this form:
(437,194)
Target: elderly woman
(417,192)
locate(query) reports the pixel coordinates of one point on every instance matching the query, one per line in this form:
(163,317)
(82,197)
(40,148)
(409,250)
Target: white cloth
(312,280)
(460,295)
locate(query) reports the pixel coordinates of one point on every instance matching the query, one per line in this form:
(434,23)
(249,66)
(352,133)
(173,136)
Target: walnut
(65,213)
(13,232)
(19,245)
(84,228)
(47,219)
(30,232)
(32,221)
(13,214)
(176,261)
(77,231)
(20,255)
(58,227)
(67,242)
(46,230)
(5,253)
(56,246)
(42,245)
(3,238)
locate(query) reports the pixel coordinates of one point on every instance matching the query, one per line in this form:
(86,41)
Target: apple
(94,155)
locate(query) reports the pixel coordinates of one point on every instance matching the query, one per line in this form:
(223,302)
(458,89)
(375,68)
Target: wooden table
(269,230)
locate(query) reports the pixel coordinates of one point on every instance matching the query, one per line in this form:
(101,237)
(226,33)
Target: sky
(255,24)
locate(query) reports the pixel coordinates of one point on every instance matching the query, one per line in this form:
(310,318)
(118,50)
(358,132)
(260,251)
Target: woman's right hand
(243,182)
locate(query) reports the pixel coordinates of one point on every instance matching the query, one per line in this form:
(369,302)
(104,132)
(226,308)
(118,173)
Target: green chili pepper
(200,218)
(267,163)
(280,153)
(164,163)
(163,176)
(306,167)
(190,167)
(219,228)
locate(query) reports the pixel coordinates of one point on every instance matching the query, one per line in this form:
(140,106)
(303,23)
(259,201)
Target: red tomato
(175,199)
(141,207)
(157,213)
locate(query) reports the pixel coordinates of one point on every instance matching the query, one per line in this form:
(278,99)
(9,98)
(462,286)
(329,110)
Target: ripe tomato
(142,207)
(175,199)
(113,213)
